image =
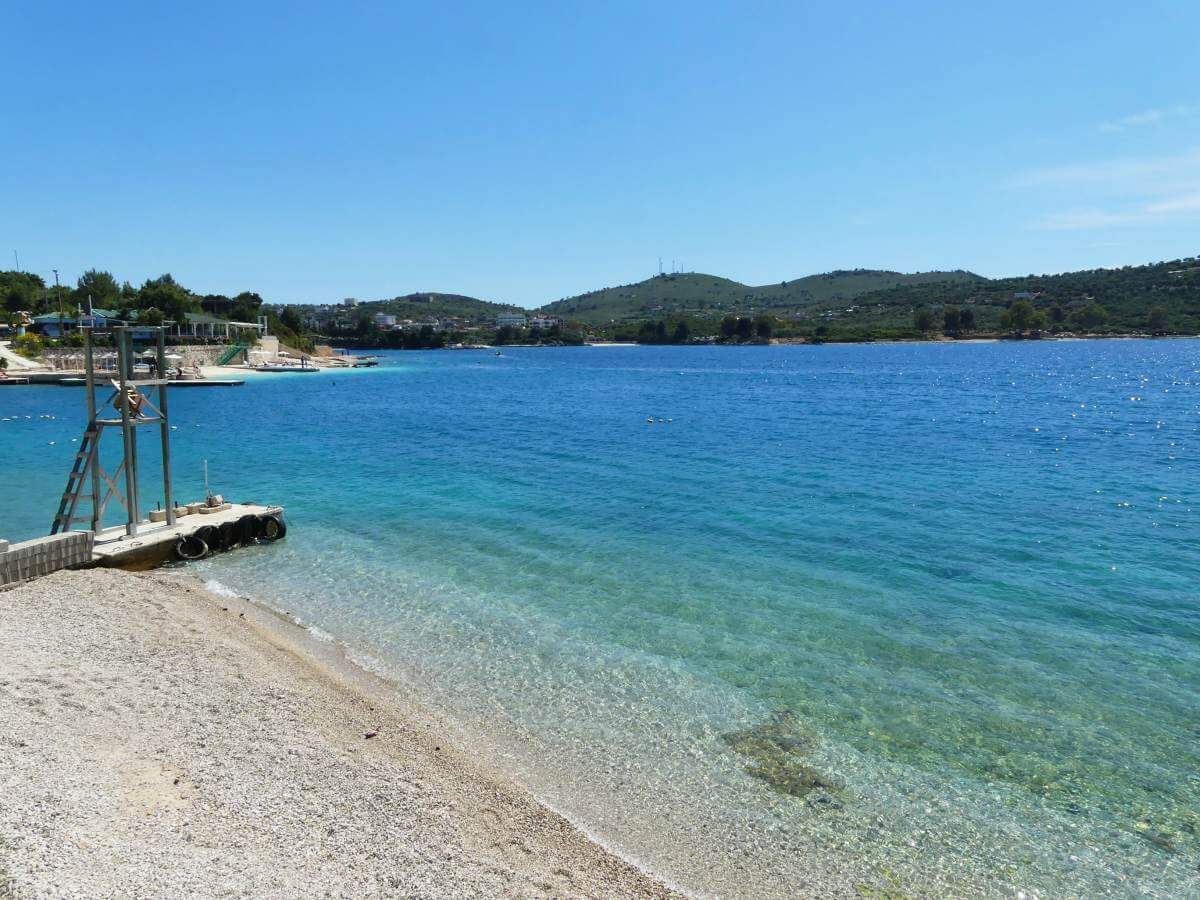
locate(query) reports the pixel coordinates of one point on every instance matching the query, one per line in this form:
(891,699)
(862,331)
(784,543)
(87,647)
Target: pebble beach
(159,740)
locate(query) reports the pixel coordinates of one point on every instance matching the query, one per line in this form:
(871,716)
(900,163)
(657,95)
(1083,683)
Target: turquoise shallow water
(967,573)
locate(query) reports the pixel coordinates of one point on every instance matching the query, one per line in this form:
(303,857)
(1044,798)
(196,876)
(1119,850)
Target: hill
(694,293)
(1093,300)
(426,305)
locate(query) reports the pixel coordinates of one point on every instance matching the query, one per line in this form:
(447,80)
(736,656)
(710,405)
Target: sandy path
(154,743)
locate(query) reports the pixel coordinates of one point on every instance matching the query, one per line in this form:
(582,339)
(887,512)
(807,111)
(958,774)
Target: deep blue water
(968,573)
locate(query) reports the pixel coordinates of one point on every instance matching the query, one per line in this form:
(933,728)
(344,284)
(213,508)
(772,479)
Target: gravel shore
(158,740)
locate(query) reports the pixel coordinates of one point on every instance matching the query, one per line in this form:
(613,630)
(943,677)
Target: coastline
(166,737)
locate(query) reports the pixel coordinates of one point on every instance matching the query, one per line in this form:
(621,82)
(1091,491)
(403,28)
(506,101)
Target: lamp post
(58,294)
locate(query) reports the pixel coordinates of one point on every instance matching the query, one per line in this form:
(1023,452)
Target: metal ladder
(75,488)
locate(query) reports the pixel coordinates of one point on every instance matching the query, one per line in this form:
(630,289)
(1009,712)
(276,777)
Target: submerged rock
(776,749)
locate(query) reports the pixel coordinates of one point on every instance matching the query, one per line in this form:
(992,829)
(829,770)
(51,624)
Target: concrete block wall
(41,556)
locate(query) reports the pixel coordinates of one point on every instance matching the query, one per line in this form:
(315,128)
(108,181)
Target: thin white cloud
(1126,172)
(1186,206)
(1150,117)
(1109,193)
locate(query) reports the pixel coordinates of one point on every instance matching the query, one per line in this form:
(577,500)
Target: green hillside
(693,293)
(1095,300)
(425,305)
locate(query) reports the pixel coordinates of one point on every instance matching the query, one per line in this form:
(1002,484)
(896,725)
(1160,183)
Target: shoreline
(165,736)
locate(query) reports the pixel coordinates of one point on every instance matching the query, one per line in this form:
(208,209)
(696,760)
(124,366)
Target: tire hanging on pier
(247,529)
(228,536)
(208,534)
(271,528)
(191,547)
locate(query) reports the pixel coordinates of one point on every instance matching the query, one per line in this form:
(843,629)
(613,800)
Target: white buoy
(650,419)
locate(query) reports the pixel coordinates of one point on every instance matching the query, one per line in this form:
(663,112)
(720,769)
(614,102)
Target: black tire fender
(191,547)
(271,528)
(247,529)
(227,536)
(210,536)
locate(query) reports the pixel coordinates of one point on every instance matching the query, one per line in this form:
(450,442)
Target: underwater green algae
(775,750)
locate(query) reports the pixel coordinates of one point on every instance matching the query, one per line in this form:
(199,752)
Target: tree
(951,320)
(98,288)
(728,327)
(745,328)
(682,333)
(151,316)
(1091,315)
(966,320)
(1057,314)
(764,327)
(1156,321)
(923,319)
(1021,317)
(290,318)
(660,331)
(20,291)
(167,295)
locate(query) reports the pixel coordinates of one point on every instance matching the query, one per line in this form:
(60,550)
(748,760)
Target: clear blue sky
(528,152)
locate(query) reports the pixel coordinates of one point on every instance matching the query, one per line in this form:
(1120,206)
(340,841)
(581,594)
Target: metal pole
(58,294)
(90,377)
(127,434)
(165,426)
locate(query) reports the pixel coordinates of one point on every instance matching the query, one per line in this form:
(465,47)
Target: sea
(843,620)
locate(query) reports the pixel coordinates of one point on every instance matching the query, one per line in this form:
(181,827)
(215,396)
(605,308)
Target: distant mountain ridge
(695,293)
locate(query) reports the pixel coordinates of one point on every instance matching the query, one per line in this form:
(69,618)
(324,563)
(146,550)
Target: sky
(526,152)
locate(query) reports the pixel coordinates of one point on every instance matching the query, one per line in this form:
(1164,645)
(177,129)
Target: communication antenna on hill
(659,264)
(17,262)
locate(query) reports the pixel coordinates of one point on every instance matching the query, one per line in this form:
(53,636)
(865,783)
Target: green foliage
(286,335)
(29,345)
(951,320)
(1021,317)
(1122,298)
(1091,316)
(923,319)
(21,291)
(101,287)
(764,327)
(1157,320)
(168,296)
(693,293)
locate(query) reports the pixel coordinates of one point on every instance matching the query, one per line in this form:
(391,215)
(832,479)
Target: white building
(514,319)
(544,322)
(383,320)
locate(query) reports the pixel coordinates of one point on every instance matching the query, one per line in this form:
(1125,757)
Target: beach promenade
(158,740)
